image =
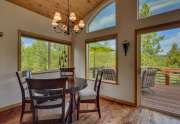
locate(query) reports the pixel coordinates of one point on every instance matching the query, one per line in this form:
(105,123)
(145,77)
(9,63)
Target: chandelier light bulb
(76,28)
(54,23)
(57,17)
(64,27)
(72,16)
(81,24)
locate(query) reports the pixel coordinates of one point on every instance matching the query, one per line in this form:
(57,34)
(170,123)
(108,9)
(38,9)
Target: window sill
(106,81)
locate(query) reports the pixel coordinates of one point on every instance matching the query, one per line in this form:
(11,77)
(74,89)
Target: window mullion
(49,55)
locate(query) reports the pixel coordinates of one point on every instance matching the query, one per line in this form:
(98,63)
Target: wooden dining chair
(56,110)
(21,76)
(91,96)
(67,72)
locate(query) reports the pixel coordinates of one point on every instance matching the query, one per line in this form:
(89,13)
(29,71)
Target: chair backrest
(40,90)
(67,72)
(109,74)
(98,81)
(21,76)
(148,77)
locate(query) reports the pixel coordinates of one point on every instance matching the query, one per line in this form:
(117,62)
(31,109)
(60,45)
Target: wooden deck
(164,98)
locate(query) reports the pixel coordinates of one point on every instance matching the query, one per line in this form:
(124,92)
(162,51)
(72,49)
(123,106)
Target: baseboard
(118,101)
(10,107)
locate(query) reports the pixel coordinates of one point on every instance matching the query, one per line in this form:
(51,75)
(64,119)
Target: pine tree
(173,57)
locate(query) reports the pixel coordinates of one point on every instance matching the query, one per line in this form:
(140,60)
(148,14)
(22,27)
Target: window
(40,55)
(161,49)
(154,7)
(106,18)
(102,54)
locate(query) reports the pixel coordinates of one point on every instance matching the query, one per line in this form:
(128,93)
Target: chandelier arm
(68,21)
(58,29)
(80,30)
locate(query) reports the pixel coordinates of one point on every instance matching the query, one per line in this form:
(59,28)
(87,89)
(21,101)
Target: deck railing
(168,76)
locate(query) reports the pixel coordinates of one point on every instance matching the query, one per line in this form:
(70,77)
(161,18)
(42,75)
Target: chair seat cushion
(87,94)
(55,113)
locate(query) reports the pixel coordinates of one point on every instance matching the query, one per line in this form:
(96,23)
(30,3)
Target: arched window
(105,18)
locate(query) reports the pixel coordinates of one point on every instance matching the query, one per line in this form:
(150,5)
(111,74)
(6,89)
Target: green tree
(35,56)
(145,11)
(150,47)
(56,53)
(150,43)
(173,57)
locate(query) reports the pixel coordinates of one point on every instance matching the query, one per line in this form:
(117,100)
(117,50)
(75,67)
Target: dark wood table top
(76,84)
(73,84)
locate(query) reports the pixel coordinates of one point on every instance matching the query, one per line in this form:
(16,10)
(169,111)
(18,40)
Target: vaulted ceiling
(48,7)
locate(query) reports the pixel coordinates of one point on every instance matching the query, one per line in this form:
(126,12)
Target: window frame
(98,11)
(22,33)
(100,39)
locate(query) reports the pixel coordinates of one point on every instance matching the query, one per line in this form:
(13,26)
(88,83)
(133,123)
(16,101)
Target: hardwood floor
(112,113)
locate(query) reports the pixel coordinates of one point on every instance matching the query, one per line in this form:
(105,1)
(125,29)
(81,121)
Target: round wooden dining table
(73,86)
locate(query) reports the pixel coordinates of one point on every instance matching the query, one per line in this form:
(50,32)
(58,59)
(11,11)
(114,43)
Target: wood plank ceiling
(49,7)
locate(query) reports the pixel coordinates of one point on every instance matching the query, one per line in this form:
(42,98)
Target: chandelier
(71,25)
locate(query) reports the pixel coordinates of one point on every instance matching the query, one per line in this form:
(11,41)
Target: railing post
(167,78)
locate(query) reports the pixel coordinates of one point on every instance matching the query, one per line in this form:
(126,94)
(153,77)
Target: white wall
(13,18)
(127,23)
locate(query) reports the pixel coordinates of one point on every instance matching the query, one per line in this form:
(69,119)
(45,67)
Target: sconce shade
(125,47)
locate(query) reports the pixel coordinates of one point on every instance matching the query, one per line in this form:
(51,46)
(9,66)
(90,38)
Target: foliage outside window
(153,7)
(106,18)
(102,55)
(39,55)
(162,50)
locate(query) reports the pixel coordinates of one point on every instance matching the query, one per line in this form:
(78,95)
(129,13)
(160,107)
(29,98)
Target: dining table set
(72,87)
(60,95)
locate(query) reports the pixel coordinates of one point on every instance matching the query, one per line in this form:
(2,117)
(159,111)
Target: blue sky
(161,6)
(104,19)
(27,41)
(171,36)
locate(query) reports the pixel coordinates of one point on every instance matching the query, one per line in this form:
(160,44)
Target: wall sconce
(125,46)
(1,34)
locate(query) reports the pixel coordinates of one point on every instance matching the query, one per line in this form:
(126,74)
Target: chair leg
(34,117)
(78,108)
(22,111)
(98,108)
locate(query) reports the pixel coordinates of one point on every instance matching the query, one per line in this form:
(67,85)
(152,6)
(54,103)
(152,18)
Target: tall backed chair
(148,77)
(91,96)
(109,74)
(67,72)
(56,110)
(21,76)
